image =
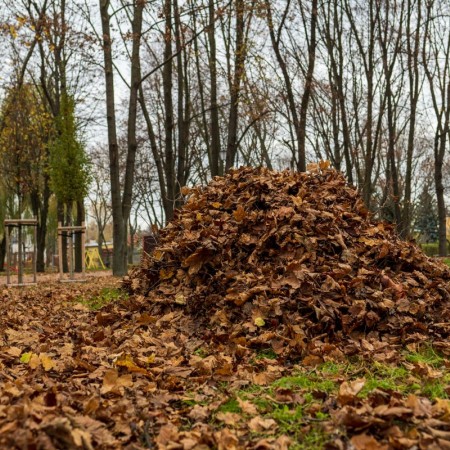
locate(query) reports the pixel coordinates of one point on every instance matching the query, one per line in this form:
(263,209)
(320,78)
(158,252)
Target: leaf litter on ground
(274,313)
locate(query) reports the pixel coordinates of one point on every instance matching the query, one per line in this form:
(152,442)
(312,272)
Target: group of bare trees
(191,88)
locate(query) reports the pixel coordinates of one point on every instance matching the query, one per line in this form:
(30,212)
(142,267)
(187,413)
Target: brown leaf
(199,413)
(258,424)
(239,214)
(349,390)
(229,418)
(247,406)
(114,383)
(226,440)
(365,442)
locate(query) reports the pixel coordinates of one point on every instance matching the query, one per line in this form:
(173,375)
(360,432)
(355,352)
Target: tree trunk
(216,163)
(119,245)
(413,77)
(132,114)
(3,252)
(61,219)
(275,40)
(168,110)
(301,160)
(442,216)
(183,108)
(239,61)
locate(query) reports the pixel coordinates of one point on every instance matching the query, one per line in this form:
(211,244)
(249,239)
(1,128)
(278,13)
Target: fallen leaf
(47,362)
(366,442)
(349,390)
(114,383)
(258,424)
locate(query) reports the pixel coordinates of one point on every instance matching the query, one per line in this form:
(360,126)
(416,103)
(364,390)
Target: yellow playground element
(93,259)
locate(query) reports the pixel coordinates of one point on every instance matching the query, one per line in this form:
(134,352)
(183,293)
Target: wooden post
(83,249)
(20,256)
(35,253)
(20,224)
(70,253)
(8,255)
(60,262)
(69,232)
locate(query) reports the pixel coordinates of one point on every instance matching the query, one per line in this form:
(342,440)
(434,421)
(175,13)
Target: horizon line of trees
(211,84)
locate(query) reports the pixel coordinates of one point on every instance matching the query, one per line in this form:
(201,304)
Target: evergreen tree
(69,164)
(426,223)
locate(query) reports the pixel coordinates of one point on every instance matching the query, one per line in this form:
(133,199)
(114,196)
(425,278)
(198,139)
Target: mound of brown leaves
(286,259)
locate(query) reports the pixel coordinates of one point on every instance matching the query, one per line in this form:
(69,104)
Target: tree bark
(216,163)
(61,219)
(413,78)
(119,234)
(301,160)
(168,110)
(3,252)
(132,115)
(239,61)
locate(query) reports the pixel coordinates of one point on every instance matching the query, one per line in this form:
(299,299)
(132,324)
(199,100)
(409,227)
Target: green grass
(106,296)
(231,406)
(201,352)
(288,419)
(307,381)
(426,355)
(434,389)
(267,353)
(299,402)
(387,378)
(314,439)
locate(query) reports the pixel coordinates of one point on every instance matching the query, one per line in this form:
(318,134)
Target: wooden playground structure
(17,257)
(69,232)
(20,224)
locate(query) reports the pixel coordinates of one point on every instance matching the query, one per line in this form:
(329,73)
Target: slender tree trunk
(301,160)
(275,40)
(366,53)
(132,115)
(183,108)
(239,61)
(168,110)
(3,252)
(216,163)
(61,219)
(204,129)
(41,212)
(413,78)
(119,234)
(438,181)
(437,71)
(166,203)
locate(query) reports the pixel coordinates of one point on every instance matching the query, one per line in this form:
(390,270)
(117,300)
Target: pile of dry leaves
(240,333)
(294,261)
